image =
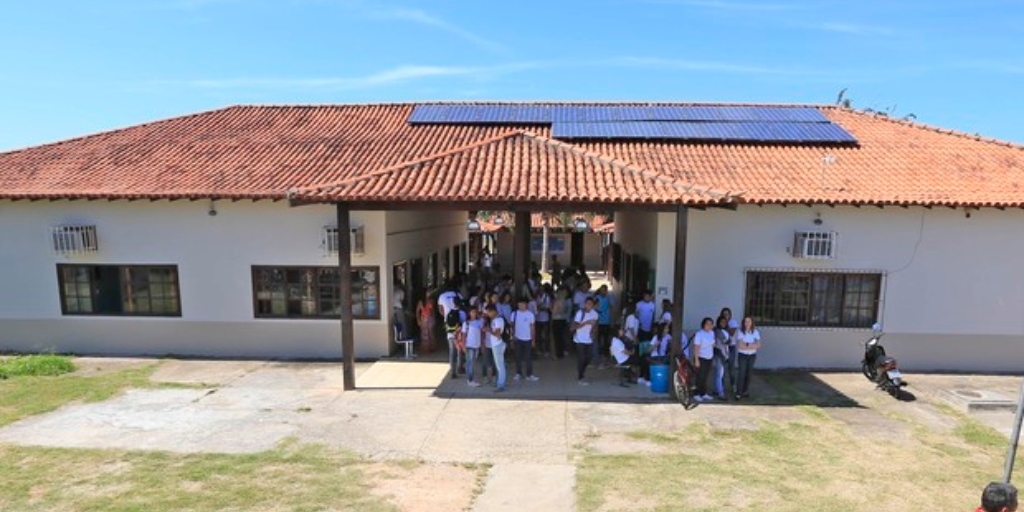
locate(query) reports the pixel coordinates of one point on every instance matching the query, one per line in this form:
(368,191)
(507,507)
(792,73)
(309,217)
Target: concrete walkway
(518,487)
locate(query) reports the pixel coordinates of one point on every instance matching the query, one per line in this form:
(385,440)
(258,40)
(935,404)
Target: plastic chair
(407,342)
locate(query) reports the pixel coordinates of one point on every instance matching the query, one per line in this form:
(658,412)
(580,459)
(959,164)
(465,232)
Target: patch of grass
(26,396)
(977,434)
(291,477)
(654,437)
(35,365)
(792,466)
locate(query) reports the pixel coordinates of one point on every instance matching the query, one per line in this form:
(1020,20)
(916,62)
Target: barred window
(313,292)
(813,299)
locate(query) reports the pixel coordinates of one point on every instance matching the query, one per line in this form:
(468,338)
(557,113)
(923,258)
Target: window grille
(69,240)
(815,245)
(329,241)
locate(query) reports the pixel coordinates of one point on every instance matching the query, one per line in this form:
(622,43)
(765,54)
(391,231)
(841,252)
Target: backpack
(506,334)
(453,320)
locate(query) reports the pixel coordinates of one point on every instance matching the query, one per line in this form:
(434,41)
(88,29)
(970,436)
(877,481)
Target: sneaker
(698,398)
(517,377)
(737,397)
(707,398)
(473,384)
(533,378)
(647,383)
(641,380)
(582,382)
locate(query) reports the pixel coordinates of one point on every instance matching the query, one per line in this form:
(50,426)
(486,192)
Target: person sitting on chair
(623,354)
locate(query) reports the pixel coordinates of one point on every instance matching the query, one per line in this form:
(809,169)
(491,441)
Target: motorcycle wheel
(682,391)
(868,371)
(894,390)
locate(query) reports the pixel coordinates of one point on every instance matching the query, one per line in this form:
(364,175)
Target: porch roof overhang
(516,170)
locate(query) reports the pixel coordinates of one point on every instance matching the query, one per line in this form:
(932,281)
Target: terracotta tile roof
(516,166)
(261,152)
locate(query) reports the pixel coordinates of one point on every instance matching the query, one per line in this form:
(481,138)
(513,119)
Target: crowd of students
(485,320)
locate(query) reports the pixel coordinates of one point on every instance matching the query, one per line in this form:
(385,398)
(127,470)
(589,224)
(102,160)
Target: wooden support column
(521,253)
(345,280)
(679,277)
(576,249)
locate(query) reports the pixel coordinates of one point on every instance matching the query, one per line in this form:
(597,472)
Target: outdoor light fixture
(580,224)
(213,208)
(473,225)
(498,219)
(817,220)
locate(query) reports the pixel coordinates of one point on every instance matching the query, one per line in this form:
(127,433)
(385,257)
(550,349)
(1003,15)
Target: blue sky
(76,67)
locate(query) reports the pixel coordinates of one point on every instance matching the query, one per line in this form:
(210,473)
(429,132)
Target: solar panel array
(740,123)
(745,131)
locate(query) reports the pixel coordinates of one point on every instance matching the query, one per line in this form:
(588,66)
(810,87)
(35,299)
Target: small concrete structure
(978,400)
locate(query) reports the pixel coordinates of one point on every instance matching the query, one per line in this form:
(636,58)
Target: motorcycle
(880,368)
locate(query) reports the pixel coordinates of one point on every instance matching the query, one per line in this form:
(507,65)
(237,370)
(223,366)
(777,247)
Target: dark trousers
(745,364)
(702,375)
(582,359)
(560,333)
(487,363)
(544,337)
(604,338)
(731,368)
(643,335)
(523,355)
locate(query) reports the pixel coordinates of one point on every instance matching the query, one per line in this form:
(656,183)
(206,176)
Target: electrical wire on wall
(920,236)
(913,255)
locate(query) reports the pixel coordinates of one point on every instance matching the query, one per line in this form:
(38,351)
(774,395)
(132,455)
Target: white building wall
(953,287)
(214,256)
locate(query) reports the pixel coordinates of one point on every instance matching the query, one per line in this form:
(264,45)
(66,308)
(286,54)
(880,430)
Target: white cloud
(423,18)
(394,76)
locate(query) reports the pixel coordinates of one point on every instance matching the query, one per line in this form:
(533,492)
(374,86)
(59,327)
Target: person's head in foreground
(998,497)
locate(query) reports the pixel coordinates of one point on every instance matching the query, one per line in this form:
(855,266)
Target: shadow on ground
(558,383)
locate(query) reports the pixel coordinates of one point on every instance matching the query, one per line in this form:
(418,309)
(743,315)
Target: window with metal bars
(313,292)
(129,290)
(813,299)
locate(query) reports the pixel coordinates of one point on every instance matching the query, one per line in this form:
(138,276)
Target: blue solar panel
(544,114)
(741,123)
(704,130)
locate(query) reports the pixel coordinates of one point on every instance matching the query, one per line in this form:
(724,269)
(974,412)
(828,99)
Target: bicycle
(683,378)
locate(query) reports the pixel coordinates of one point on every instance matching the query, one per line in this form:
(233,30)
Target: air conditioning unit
(815,245)
(68,240)
(329,241)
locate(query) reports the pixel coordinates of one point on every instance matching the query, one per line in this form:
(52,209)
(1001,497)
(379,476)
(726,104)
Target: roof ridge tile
(927,127)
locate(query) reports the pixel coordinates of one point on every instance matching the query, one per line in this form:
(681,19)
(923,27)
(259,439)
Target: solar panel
(544,114)
(743,131)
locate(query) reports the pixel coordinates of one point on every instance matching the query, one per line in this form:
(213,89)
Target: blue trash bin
(659,378)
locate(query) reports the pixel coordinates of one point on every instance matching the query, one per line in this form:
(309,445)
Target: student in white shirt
(645,313)
(631,327)
(666,314)
(543,302)
(621,351)
(703,357)
(524,331)
(472,332)
(495,327)
(659,351)
(748,342)
(583,324)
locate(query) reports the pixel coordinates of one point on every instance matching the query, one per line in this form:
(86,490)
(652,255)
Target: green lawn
(816,463)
